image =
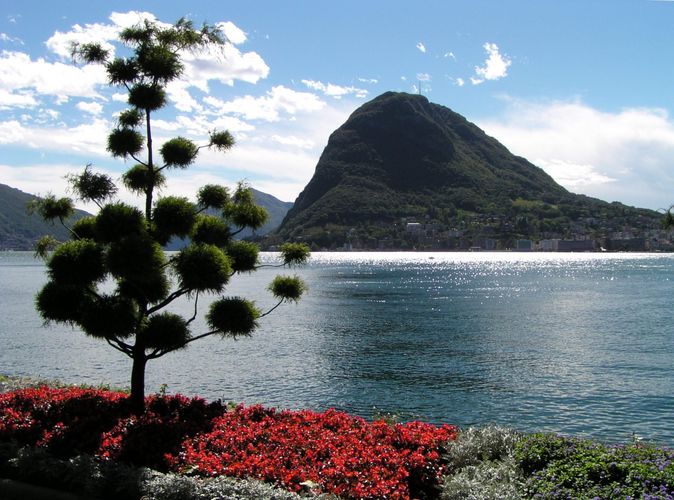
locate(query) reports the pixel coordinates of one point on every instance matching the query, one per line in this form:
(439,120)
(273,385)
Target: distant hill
(276,208)
(400,159)
(18,229)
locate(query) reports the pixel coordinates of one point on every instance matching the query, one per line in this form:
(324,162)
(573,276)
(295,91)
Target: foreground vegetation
(88,441)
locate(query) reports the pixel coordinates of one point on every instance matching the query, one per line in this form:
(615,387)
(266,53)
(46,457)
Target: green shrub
(559,467)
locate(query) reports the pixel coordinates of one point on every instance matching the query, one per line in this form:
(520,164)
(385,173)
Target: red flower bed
(344,455)
(166,423)
(67,421)
(341,454)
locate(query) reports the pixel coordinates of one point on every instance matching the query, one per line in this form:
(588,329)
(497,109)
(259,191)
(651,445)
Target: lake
(574,343)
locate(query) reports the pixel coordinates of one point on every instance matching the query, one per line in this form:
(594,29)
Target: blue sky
(582,88)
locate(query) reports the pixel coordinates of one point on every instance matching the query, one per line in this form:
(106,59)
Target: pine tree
(123,244)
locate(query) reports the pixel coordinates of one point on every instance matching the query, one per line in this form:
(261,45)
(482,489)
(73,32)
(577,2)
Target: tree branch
(68,228)
(203,335)
(138,160)
(120,346)
(168,300)
(270,310)
(158,353)
(196,302)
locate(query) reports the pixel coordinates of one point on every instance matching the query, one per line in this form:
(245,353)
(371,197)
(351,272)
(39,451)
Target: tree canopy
(123,244)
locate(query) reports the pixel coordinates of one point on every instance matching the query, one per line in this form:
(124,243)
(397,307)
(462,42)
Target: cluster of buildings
(414,235)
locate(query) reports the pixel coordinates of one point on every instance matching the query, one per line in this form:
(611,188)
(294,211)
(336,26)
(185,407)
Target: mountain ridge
(20,231)
(400,156)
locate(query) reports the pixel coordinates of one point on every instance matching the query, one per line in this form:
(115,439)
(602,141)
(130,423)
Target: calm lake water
(573,343)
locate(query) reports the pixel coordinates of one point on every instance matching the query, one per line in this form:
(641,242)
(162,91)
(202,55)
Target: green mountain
(18,229)
(401,160)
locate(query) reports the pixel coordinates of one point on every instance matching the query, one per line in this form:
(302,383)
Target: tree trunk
(138,382)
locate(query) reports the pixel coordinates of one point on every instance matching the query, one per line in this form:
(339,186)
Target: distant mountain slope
(18,229)
(401,157)
(276,208)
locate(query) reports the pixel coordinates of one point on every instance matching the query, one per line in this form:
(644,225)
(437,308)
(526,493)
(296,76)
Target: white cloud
(459,82)
(495,67)
(21,99)
(4,37)
(20,75)
(291,140)
(90,107)
(38,179)
(622,156)
(423,77)
(85,139)
(178,92)
(368,80)
(334,91)
(233,33)
(120,97)
(224,64)
(269,107)
(421,47)
(449,55)
(60,43)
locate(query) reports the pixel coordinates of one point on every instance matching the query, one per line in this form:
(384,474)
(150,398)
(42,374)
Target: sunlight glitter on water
(574,343)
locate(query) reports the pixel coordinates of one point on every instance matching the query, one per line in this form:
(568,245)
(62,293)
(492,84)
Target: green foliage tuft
(140,178)
(159,61)
(90,186)
(211,230)
(148,288)
(121,71)
(51,208)
(123,142)
(668,220)
(117,220)
(179,152)
(60,302)
(243,194)
(233,316)
(174,215)
(222,141)
(131,257)
(45,245)
(89,52)
(244,255)
(147,96)
(203,268)
(166,331)
(77,262)
(85,228)
(295,254)
(213,196)
(288,288)
(109,316)
(246,215)
(130,118)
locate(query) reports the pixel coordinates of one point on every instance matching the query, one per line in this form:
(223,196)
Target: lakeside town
(484,233)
